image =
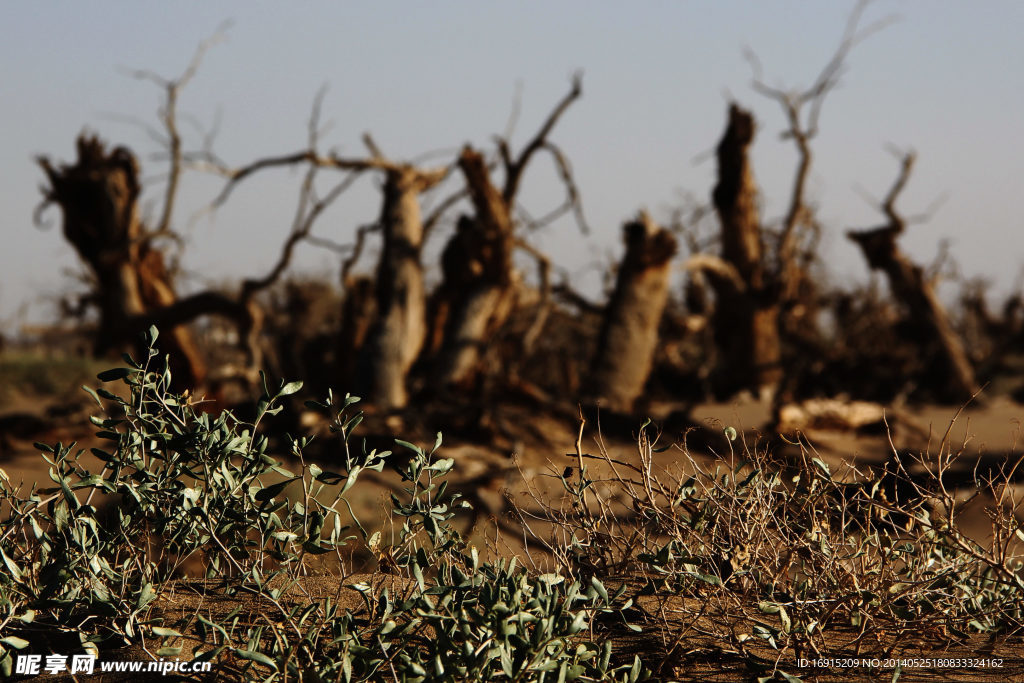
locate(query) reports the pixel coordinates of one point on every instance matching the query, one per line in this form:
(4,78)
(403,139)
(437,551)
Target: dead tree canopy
(764,292)
(954,374)
(98,197)
(629,332)
(747,302)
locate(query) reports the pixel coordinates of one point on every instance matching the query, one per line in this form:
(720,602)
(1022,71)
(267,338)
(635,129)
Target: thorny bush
(768,560)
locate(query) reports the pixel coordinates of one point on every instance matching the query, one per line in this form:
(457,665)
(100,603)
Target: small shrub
(189,485)
(777,560)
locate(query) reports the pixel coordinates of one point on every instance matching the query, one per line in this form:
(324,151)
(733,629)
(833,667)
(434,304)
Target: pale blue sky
(946,79)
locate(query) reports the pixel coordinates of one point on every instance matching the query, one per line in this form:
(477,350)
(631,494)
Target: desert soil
(987,433)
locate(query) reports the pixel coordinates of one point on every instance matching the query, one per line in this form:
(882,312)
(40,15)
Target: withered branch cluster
(912,289)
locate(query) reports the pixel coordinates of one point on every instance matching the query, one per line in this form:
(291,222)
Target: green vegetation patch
(27,374)
(193,486)
(770,568)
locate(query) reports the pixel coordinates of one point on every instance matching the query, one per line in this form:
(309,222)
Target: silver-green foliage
(186,485)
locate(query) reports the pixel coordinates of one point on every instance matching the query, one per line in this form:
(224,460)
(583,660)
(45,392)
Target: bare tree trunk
(99,200)
(747,308)
(915,293)
(477,295)
(911,288)
(400,330)
(358,311)
(629,332)
(477,264)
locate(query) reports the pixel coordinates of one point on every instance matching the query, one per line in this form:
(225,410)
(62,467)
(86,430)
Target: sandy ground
(987,434)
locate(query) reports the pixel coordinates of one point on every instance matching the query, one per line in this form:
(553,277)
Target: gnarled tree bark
(747,303)
(629,332)
(477,294)
(477,265)
(400,330)
(98,197)
(912,290)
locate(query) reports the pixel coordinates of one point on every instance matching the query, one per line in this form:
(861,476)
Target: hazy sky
(946,79)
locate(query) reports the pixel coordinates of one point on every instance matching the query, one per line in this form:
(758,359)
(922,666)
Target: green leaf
(95,396)
(787,625)
(329,478)
(290,388)
(259,657)
(635,670)
(442,466)
(549,579)
(146,596)
(114,374)
(15,642)
(109,396)
(506,663)
(350,481)
(164,632)
(708,578)
(11,566)
(412,447)
(273,490)
(169,651)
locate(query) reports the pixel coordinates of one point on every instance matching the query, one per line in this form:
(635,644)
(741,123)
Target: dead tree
(477,293)
(629,331)
(477,267)
(762,285)
(400,330)
(98,197)
(917,296)
(746,314)
(386,350)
